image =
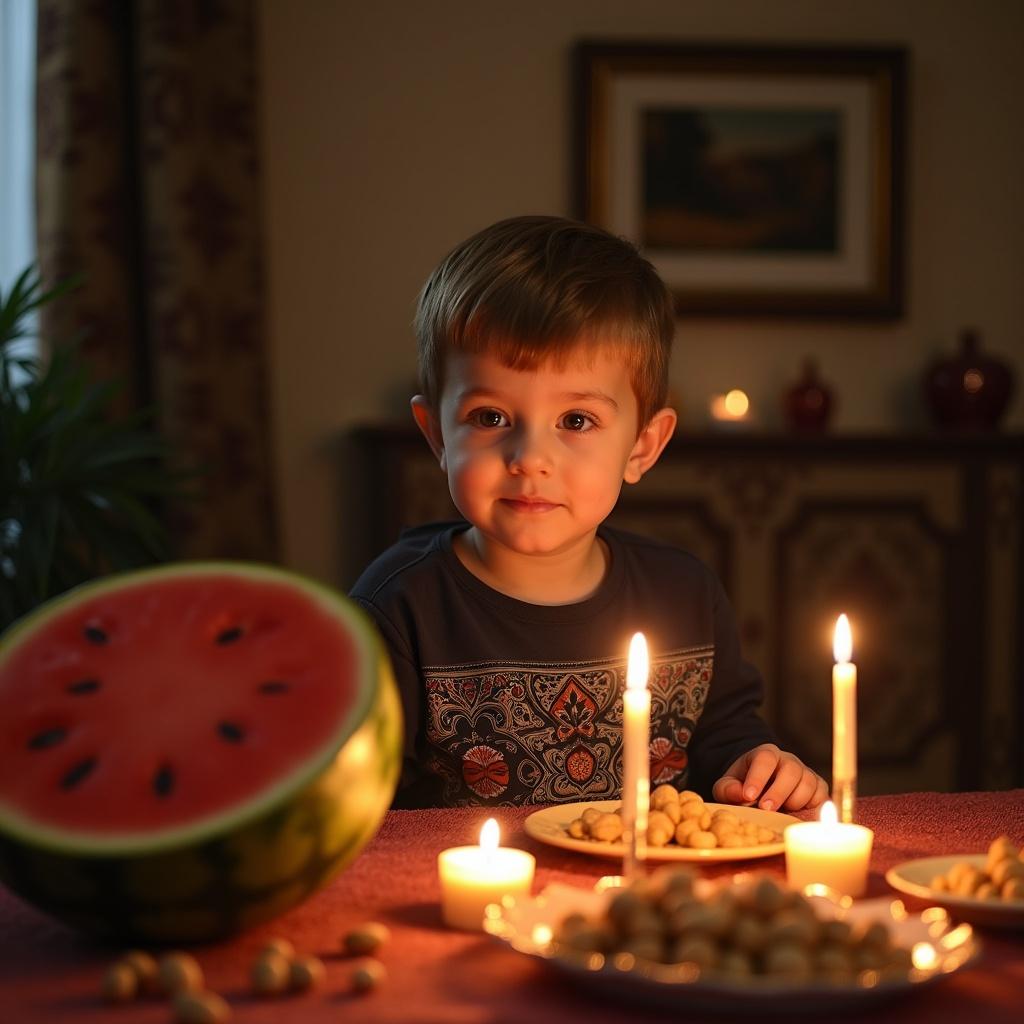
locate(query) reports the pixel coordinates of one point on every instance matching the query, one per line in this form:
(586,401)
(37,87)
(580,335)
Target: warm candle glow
(731,407)
(636,778)
(639,663)
(844,720)
(842,640)
(473,877)
(828,852)
(736,402)
(923,956)
(489,836)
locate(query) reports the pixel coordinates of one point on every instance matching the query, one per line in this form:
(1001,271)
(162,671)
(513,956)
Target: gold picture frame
(759,180)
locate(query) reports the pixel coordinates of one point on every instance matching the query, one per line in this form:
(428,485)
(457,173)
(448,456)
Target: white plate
(526,926)
(914,878)
(549,826)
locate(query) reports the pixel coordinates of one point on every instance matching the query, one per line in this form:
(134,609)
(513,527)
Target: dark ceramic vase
(808,403)
(968,391)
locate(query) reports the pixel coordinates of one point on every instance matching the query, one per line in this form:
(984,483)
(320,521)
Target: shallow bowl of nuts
(982,888)
(740,944)
(680,826)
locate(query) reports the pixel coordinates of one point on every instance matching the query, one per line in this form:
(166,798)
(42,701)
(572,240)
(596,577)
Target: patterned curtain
(148,187)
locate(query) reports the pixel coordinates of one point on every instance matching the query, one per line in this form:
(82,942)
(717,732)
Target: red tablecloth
(48,973)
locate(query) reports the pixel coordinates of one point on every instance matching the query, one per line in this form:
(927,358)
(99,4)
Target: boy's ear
(429,426)
(650,444)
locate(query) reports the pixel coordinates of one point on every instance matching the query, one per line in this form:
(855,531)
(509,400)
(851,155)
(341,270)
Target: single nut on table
(368,975)
(200,1008)
(365,939)
(280,946)
(306,972)
(180,972)
(120,984)
(270,974)
(145,969)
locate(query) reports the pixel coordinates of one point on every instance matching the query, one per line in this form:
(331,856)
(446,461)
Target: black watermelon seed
(229,636)
(95,635)
(274,686)
(47,738)
(163,781)
(231,732)
(78,773)
(84,686)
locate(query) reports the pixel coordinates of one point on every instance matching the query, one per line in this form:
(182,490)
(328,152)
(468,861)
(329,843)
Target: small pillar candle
(829,852)
(474,876)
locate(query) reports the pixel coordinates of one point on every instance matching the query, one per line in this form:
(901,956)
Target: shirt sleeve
(730,724)
(414,783)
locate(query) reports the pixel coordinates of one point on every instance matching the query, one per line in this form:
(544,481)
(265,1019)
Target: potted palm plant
(80,489)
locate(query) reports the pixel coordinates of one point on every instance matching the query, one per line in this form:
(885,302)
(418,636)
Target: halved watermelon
(190,750)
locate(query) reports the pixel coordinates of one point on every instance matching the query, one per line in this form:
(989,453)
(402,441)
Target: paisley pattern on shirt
(527,733)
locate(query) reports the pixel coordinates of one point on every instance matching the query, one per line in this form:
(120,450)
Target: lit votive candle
(473,876)
(730,410)
(829,852)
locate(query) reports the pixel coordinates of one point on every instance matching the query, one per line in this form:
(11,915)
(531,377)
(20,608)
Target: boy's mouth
(528,505)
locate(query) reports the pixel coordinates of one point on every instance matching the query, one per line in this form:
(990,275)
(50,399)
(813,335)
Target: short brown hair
(533,288)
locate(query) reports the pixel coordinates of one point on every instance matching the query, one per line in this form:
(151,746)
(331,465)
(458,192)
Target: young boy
(543,354)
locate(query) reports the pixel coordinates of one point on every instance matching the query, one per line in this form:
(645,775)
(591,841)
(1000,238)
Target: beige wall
(394,129)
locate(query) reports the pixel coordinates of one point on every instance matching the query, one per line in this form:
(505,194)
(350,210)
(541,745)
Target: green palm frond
(80,491)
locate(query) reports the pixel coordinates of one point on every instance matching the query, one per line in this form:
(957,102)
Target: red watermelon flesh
(147,710)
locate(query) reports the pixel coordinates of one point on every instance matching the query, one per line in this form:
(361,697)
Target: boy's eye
(488,418)
(577,421)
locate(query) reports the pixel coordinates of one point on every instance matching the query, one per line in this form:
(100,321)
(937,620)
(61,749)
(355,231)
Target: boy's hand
(793,785)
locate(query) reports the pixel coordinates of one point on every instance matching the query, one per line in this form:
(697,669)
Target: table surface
(49,973)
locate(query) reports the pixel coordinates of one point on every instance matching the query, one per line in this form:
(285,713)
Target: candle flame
(827,815)
(489,836)
(636,672)
(842,641)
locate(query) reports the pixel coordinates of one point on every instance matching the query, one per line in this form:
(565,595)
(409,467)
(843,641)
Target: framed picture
(758,180)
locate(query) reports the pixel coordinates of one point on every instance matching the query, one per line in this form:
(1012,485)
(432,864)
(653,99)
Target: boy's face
(536,458)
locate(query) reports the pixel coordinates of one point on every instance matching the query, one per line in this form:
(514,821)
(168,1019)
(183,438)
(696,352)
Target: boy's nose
(528,455)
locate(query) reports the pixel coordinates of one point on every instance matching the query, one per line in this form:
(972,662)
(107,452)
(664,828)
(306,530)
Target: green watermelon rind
(370,652)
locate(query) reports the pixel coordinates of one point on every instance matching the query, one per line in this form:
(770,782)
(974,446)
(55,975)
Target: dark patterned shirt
(508,702)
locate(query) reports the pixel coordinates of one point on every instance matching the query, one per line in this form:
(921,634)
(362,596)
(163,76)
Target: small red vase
(807,405)
(968,391)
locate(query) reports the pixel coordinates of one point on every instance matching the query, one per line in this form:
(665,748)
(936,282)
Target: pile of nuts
(1002,879)
(177,976)
(277,970)
(746,928)
(677,817)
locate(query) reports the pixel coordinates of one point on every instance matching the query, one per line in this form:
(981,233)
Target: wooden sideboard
(917,539)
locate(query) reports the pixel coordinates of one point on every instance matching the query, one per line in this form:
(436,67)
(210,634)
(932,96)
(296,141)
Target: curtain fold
(147,185)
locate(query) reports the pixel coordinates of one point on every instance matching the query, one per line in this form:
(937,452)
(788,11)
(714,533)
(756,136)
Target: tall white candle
(636,731)
(844,703)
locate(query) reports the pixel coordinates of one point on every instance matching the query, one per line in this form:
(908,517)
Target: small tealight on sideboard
(917,539)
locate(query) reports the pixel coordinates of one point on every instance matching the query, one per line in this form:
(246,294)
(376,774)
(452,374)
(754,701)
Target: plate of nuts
(745,944)
(983,888)
(680,826)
